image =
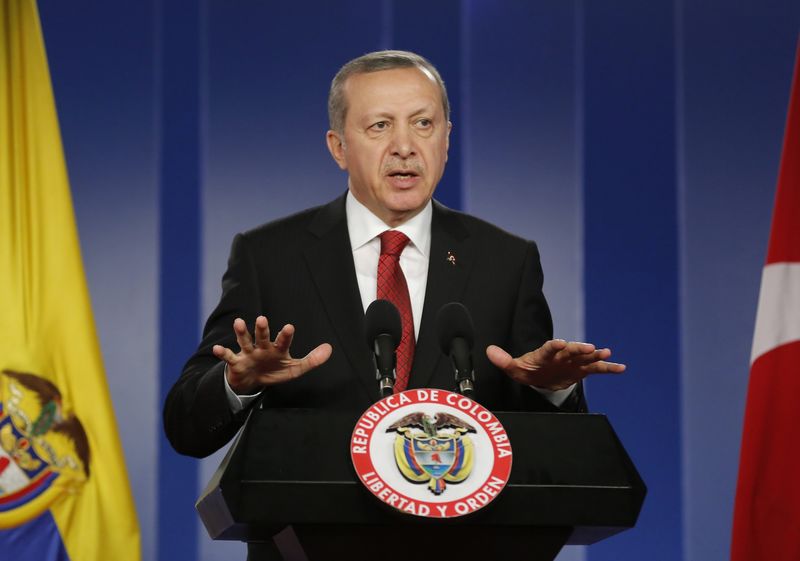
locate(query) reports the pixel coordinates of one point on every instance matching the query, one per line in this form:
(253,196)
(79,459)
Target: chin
(409,200)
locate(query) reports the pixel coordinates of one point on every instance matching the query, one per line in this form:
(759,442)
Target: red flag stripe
(766,523)
(784,243)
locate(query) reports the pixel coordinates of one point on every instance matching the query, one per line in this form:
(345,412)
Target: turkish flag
(766,520)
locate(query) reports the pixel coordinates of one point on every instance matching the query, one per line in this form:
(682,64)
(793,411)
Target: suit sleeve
(197,418)
(532,327)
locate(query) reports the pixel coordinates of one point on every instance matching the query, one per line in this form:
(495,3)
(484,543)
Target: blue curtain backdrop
(638,143)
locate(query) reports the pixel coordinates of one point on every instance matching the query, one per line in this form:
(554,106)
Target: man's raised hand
(555,365)
(262,362)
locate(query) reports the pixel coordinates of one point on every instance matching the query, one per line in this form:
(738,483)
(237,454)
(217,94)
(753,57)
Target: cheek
(439,158)
(371,162)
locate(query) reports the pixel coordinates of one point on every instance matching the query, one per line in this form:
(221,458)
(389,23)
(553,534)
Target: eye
(424,123)
(379,126)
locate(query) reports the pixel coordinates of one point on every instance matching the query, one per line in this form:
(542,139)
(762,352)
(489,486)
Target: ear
(447,140)
(336,148)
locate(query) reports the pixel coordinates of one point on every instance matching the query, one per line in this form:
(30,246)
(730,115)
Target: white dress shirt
(365,229)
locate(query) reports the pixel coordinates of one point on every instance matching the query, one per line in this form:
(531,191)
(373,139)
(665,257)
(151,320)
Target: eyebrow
(387,115)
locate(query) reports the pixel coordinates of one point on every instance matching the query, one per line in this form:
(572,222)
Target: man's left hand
(555,365)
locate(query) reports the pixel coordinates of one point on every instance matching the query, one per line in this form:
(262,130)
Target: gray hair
(375,62)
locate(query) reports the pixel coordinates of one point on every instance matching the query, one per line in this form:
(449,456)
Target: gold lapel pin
(451,258)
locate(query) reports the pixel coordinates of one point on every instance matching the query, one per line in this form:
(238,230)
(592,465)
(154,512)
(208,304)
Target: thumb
(500,358)
(316,357)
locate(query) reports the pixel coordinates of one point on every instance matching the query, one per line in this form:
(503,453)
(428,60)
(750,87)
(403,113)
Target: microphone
(384,331)
(456,338)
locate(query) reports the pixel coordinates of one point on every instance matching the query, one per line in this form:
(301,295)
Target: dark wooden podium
(571,483)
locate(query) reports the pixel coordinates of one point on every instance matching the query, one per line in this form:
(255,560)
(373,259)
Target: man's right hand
(262,362)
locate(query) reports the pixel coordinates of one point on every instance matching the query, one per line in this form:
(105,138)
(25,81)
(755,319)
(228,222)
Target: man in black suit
(314,273)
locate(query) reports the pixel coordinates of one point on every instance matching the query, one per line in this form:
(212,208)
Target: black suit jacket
(300,270)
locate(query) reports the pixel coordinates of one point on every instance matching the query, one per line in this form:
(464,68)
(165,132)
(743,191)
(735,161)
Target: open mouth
(403,174)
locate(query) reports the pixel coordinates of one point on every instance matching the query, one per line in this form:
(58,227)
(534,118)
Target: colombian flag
(64,490)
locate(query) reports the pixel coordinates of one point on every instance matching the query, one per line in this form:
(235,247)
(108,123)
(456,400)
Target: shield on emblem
(435,455)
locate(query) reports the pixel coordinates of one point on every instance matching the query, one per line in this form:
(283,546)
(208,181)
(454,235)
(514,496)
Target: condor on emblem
(431,453)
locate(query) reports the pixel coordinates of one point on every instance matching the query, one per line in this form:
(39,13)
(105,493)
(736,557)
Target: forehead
(391,91)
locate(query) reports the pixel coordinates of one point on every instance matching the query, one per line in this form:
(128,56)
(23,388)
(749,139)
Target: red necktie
(392,287)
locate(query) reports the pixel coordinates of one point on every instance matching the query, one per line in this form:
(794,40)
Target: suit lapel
(330,261)
(450,263)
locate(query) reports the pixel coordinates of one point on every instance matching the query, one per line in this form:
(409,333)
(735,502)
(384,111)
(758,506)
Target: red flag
(766,520)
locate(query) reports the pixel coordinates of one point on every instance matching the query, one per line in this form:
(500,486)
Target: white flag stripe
(778,317)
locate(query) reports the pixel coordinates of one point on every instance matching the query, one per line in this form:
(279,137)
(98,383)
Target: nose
(403,142)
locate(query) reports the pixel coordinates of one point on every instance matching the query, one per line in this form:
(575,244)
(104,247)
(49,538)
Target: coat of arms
(44,451)
(440,452)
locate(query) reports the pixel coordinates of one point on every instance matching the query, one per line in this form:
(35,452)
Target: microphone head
(382,318)
(453,320)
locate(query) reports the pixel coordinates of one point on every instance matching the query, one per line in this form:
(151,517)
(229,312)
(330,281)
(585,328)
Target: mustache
(400,166)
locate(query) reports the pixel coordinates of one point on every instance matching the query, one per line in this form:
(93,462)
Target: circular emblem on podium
(431,453)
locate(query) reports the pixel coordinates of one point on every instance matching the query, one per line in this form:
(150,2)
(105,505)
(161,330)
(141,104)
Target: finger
(551,348)
(586,359)
(577,348)
(283,340)
(500,358)
(223,353)
(242,335)
(604,367)
(262,332)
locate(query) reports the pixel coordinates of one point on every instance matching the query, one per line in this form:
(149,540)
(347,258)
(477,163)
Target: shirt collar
(364,226)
